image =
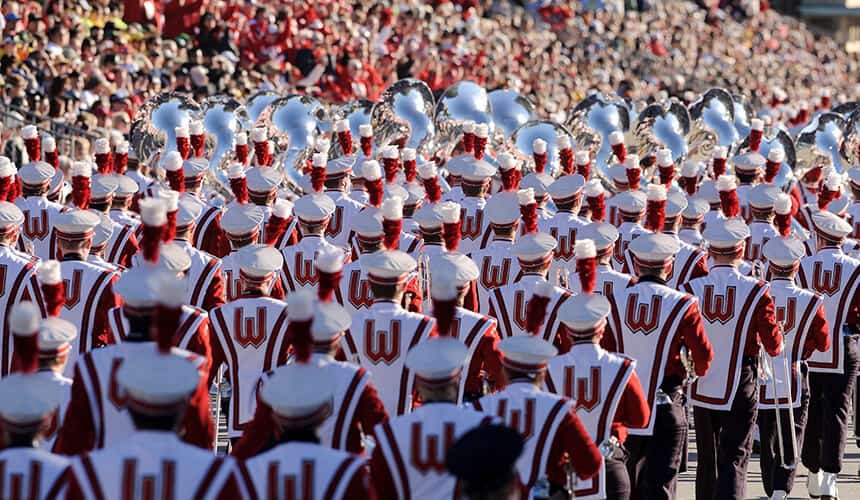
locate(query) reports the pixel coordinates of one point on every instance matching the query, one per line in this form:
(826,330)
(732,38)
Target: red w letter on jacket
(643,317)
(429,456)
(718,308)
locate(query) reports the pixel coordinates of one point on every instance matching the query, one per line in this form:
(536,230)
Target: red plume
(34,148)
(655,208)
(432,188)
(540,162)
(375,191)
(391,230)
(444,296)
(633,175)
(782,208)
(391,166)
(300,307)
(198,142)
(586,264)
(597,206)
(53,287)
(529,216)
(24,323)
(120,160)
(511,179)
(719,167)
(53,158)
(239,187)
(536,307)
(729,203)
(277,223)
(451,234)
(366,146)
(565,159)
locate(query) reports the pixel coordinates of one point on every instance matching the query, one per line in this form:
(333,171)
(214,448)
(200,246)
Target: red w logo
(73,289)
(115,394)
(295,487)
(642,317)
(472,226)
(786,315)
(494,276)
(564,250)
(584,390)
(148,486)
(36,227)
(335,223)
(522,421)
(249,332)
(24,484)
(826,281)
(233,286)
(435,456)
(608,288)
(381,345)
(718,308)
(359,291)
(620,249)
(304,271)
(520,309)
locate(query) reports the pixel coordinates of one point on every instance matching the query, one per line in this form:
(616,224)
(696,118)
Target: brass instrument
(462,102)
(293,124)
(712,124)
(592,121)
(820,143)
(405,111)
(510,109)
(153,135)
(777,137)
(664,124)
(222,118)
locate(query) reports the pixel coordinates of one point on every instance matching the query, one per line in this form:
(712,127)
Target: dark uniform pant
(724,440)
(774,476)
(655,461)
(617,480)
(829,401)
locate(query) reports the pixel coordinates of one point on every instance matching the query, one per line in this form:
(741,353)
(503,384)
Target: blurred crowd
(92,63)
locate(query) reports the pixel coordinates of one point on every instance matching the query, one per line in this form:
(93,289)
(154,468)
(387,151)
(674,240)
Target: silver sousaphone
(405,111)
(257,103)
(155,135)
(222,118)
(293,126)
(663,125)
(523,139)
(743,114)
(820,143)
(510,109)
(592,121)
(465,101)
(851,144)
(712,124)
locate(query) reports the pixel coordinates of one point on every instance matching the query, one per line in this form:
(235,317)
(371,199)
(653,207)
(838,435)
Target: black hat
(483,459)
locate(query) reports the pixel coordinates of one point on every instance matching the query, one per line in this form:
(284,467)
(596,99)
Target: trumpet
(787,462)
(424,279)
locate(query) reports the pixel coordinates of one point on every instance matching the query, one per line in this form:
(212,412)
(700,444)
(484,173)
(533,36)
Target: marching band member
(40,214)
(337,182)
(801,315)
(738,316)
(631,209)
(55,342)
(452,278)
(86,288)
(314,212)
(101,235)
(761,201)
(547,422)
(193,332)
(566,193)
(241,224)
(691,220)
(603,236)
(263,184)
(495,261)
(380,336)
(158,386)
(476,177)
(248,333)
(205,286)
(301,399)
(122,244)
(656,322)
(356,407)
(749,166)
(409,458)
(120,212)
(610,385)
(29,404)
(508,303)
(19,276)
(832,373)
(691,261)
(96,415)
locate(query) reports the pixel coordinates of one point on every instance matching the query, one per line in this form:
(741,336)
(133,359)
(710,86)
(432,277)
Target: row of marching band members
(585,321)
